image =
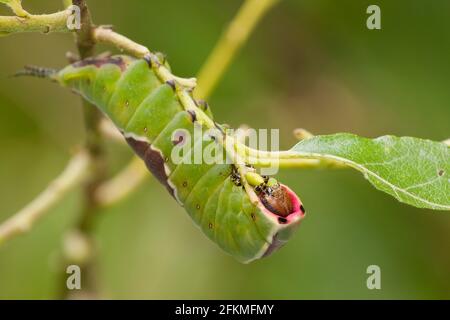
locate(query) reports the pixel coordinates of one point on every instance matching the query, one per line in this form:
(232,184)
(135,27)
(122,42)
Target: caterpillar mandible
(249,216)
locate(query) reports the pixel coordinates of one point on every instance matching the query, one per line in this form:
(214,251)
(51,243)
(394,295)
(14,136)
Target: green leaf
(414,171)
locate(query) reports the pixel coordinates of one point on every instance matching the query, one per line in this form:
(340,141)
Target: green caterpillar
(248,216)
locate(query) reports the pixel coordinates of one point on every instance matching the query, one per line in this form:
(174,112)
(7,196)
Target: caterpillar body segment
(153,121)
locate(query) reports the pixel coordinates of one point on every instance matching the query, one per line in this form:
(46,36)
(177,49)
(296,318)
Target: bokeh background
(311,64)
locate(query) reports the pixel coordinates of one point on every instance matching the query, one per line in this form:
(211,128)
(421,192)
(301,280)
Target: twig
(45,23)
(94,146)
(72,176)
(16,7)
(107,35)
(108,130)
(121,185)
(230,42)
(302,134)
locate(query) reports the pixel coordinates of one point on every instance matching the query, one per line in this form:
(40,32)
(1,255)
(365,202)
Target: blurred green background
(311,64)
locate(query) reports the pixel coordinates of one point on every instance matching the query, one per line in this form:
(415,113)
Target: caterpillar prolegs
(249,216)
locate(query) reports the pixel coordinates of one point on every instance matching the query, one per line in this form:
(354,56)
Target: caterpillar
(248,215)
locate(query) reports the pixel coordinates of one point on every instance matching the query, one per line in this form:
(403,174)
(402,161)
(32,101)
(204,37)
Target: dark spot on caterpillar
(282,220)
(193,115)
(210,225)
(198,207)
(302,208)
(266,179)
(180,140)
(166,159)
(46,29)
(152,159)
(145,129)
(171,83)
(441,172)
(127,103)
(185,184)
(253,216)
(148,59)
(99,61)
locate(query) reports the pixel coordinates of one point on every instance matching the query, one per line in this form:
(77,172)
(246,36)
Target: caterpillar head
(277,198)
(274,197)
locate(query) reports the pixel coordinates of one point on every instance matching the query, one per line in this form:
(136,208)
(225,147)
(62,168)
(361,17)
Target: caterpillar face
(276,199)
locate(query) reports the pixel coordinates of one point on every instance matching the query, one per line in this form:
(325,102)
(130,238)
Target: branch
(237,33)
(94,145)
(121,185)
(45,23)
(16,7)
(107,35)
(22,221)
(108,130)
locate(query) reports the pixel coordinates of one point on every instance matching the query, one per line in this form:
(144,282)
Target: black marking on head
(282,220)
(193,115)
(171,83)
(152,159)
(148,59)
